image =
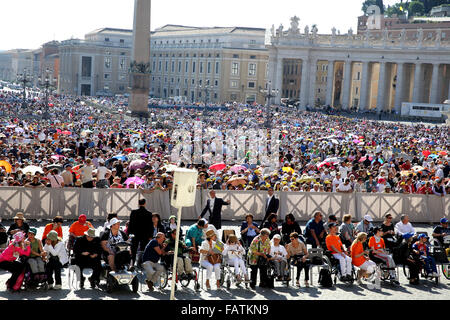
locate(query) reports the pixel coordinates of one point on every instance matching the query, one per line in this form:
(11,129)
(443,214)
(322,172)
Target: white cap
(277,236)
(368,218)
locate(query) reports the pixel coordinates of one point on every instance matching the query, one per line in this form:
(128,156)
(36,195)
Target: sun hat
(114,221)
(90,232)
(52,235)
(19,216)
(210,233)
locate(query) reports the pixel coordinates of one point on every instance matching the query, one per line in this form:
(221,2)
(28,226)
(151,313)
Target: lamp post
(269,93)
(24,78)
(207,88)
(47,84)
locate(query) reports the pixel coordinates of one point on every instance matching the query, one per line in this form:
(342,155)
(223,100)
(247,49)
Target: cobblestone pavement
(427,290)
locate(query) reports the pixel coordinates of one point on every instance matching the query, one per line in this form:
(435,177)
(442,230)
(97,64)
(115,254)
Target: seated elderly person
(184,266)
(404,226)
(109,238)
(249,230)
(365,225)
(278,256)
(87,250)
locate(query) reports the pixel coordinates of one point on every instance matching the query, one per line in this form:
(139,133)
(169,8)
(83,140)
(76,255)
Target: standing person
(214,207)
(8,258)
(258,252)
(102,172)
(297,250)
(56,225)
(156,226)
(87,250)
(56,181)
(272,204)
(57,258)
(67,176)
(152,254)
(18,225)
(360,257)
(315,231)
(86,171)
(139,225)
(334,244)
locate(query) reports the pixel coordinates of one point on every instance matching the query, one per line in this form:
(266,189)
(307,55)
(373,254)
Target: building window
(201,67)
(193,66)
(209,67)
(106,39)
(252,69)
(108,62)
(122,77)
(179,66)
(186,67)
(159,66)
(234,84)
(154,66)
(107,76)
(217,67)
(216,83)
(173,66)
(122,64)
(235,68)
(252,57)
(251,85)
(122,41)
(166,66)
(235,56)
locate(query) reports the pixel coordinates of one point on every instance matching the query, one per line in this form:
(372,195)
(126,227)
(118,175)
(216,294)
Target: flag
(401,8)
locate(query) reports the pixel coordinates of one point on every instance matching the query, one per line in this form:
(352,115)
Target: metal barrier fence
(97,203)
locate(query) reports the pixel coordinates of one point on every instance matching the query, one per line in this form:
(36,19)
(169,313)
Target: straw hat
(19,216)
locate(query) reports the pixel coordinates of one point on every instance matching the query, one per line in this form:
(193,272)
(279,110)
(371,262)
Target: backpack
(440,255)
(325,278)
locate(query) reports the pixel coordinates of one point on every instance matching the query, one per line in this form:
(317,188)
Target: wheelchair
(34,280)
(423,273)
(441,256)
(383,270)
(228,275)
(183,279)
(122,277)
(335,268)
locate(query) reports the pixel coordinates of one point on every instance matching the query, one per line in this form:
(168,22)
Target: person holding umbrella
(214,207)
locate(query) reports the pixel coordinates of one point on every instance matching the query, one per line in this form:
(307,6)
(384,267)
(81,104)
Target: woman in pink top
(8,258)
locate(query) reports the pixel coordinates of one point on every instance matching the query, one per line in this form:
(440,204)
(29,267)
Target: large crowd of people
(80,146)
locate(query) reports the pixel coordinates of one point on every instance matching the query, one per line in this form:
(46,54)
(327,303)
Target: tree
(416,8)
(368,3)
(398,9)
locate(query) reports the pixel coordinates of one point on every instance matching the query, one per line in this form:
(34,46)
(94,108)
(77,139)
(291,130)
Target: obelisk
(140,65)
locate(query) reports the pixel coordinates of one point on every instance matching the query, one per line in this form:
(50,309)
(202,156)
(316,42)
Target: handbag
(261,262)
(214,258)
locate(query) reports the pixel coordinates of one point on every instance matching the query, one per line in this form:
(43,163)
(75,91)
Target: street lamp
(269,93)
(47,84)
(207,88)
(24,78)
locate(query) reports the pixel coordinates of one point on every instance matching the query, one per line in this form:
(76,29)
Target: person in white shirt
(278,256)
(336,181)
(235,252)
(67,176)
(345,187)
(343,170)
(57,258)
(86,174)
(55,179)
(102,171)
(404,226)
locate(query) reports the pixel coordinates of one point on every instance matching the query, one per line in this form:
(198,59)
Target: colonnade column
(400,88)
(381,88)
(304,84)
(330,82)
(312,83)
(434,97)
(417,83)
(365,86)
(347,83)
(278,79)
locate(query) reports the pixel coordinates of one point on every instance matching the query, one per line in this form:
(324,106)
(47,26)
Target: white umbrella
(85,132)
(32,170)
(134,156)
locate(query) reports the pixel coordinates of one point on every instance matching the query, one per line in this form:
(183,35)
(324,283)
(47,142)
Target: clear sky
(30,23)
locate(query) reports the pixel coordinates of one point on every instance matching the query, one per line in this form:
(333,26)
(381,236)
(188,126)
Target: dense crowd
(82,146)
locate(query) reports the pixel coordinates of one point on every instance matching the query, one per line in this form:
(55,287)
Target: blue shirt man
(315,231)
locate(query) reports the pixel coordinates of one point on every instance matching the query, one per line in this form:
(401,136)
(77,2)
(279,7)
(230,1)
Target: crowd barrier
(46,203)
